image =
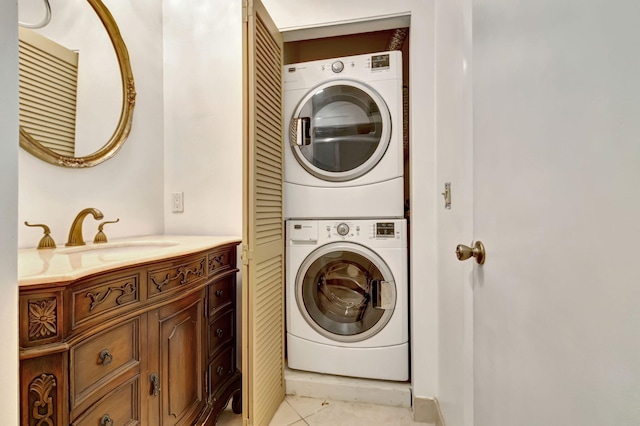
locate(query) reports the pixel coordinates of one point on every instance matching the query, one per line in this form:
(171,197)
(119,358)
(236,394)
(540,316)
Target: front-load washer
(347,297)
(343,153)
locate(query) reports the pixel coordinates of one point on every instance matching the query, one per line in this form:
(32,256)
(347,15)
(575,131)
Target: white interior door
(556,103)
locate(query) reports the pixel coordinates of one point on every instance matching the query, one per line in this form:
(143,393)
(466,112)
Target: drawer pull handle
(220,332)
(219,293)
(106,421)
(220,370)
(106,357)
(155,381)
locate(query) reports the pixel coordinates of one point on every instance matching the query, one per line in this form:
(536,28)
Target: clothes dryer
(343,125)
(347,297)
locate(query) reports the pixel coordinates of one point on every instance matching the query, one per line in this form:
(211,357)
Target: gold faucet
(46,242)
(101,237)
(75,233)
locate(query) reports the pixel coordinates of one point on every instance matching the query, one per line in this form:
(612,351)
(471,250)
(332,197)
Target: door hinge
(247,255)
(245,10)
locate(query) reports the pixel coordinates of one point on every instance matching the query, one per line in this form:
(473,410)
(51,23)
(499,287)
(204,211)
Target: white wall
(128,186)
(203,119)
(203,116)
(296,14)
(9,213)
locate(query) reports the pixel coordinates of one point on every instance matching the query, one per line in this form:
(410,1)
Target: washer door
(340,130)
(345,291)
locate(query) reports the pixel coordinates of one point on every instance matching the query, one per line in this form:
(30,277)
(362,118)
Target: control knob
(343,229)
(337,66)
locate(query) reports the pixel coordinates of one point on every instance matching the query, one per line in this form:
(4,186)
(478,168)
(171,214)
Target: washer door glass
(345,292)
(340,130)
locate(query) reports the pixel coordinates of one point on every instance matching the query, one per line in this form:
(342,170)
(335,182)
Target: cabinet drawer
(104,296)
(221,368)
(221,294)
(175,275)
(220,261)
(120,407)
(101,358)
(221,331)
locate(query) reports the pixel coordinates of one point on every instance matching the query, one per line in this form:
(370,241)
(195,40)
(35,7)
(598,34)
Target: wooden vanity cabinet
(151,344)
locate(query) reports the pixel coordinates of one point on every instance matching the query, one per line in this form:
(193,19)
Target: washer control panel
(382,230)
(385,229)
(370,232)
(342,230)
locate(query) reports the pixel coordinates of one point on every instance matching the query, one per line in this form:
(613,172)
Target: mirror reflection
(76,87)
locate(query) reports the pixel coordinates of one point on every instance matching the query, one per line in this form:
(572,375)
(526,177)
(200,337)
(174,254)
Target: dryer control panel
(367,68)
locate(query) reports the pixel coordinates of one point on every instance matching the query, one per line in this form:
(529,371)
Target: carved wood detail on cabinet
(43,389)
(219,261)
(103,296)
(175,276)
(150,344)
(41,320)
(43,316)
(43,405)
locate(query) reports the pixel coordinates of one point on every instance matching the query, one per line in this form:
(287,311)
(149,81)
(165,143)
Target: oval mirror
(35,140)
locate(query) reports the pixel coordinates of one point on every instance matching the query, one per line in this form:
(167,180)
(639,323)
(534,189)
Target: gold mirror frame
(126,114)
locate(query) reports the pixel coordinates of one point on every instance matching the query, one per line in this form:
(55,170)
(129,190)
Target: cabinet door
(176,346)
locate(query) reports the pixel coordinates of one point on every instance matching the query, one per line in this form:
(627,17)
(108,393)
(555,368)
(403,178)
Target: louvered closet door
(48,91)
(263,239)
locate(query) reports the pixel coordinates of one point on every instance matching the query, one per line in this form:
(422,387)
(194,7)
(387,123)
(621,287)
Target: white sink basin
(118,247)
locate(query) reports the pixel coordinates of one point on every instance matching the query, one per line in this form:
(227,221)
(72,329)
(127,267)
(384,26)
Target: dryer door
(345,291)
(340,130)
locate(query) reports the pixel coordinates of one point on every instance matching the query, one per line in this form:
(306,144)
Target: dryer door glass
(346,294)
(340,130)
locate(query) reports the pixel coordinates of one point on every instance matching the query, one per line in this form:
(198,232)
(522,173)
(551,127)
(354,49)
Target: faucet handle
(100,236)
(46,242)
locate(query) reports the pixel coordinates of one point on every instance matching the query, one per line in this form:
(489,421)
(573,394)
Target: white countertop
(64,264)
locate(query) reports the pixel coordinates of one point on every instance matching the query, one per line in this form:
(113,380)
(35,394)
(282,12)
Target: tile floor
(301,411)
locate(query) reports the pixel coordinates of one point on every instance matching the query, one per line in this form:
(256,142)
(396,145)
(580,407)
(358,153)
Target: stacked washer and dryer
(346,242)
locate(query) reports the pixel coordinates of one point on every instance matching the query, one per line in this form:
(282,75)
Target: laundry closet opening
(349,265)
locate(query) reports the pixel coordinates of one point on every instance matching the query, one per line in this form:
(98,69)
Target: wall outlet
(177,202)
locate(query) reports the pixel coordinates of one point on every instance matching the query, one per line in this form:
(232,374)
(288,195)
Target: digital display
(380,61)
(385,229)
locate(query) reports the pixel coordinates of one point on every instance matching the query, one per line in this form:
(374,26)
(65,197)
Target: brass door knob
(463,252)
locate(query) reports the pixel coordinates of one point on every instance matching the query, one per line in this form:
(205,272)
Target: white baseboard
(314,385)
(427,410)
